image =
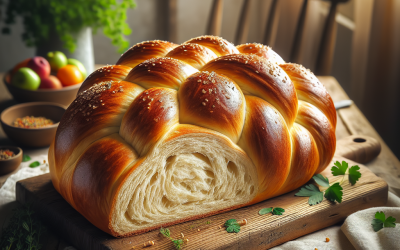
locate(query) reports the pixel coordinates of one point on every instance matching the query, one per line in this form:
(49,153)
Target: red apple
(40,65)
(50,82)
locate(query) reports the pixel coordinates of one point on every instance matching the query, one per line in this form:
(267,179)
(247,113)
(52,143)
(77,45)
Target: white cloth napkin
(7,191)
(355,233)
(358,230)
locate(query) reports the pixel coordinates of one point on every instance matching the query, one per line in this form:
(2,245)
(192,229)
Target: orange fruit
(69,75)
(24,63)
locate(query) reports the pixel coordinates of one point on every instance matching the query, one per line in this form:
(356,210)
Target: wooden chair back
(327,41)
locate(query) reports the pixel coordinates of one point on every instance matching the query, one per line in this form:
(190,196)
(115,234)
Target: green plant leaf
(312,191)
(26,158)
(380,221)
(25,225)
(232,226)
(278,211)
(334,193)
(354,174)
(233,229)
(380,216)
(165,232)
(178,243)
(265,211)
(231,222)
(34,164)
(321,180)
(339,169)
(377,224)
(390,222)
(66,18)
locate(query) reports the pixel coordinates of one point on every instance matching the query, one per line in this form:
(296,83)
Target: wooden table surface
(350,121)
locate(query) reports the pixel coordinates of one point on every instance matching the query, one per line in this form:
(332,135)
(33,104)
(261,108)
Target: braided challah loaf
(177,132)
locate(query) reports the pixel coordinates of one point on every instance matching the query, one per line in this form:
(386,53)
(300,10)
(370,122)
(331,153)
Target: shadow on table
(7,103)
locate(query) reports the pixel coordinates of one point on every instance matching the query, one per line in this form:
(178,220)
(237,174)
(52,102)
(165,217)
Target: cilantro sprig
(381,221)
(274,210)
(34,164)
(232,226)
(333,192)
(26,158)
(341,169)
(178,243)
(312,191)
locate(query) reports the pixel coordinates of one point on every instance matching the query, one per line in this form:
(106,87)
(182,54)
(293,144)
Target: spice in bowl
(32,122)
(6,154)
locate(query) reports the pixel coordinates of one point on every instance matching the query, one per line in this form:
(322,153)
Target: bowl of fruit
(55,79)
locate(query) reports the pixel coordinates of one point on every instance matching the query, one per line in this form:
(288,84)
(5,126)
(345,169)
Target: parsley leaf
(232,226)
(265,211)
(26,158)
(390,222)
(354,174)
(380,216)
(334,192)
(316,196)
(177,242)
(278,211)
(377,224)
(34,164)
(339,169)
(380,222)
(165,232)
(320,180)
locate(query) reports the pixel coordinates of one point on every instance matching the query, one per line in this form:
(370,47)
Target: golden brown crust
(266,140)
(193,54)
(217,44)
(310,89)
(160,72)
(106,73)
(213,101)
(322,131)
(94,109)
(305,159)
(144,51)
(260,50)
(259,77)
(150,116)
(95,174)
(277,114)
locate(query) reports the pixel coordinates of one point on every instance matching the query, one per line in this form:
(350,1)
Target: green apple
(79,65)
(57,60)
(25,78)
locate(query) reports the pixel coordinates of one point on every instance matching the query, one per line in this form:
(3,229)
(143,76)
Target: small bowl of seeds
(32,124)
(10,159)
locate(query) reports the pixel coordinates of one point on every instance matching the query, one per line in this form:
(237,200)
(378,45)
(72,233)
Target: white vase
(83,51)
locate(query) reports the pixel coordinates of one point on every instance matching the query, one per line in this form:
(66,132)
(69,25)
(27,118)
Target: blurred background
(366,58)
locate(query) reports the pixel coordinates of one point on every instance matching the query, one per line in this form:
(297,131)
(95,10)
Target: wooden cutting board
(261,232)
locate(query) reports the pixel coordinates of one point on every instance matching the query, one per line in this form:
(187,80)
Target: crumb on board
(149,243)
(327,239)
